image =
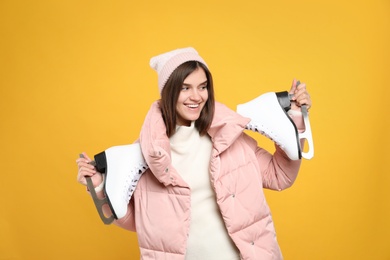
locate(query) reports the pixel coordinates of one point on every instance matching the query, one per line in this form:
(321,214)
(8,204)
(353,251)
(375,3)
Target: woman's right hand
(87,170)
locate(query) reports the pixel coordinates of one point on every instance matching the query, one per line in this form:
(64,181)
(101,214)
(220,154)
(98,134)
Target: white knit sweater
(208,238)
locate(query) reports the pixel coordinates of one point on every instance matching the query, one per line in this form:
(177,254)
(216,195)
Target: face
(192,98)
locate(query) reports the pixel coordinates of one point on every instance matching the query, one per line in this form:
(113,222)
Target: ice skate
(122,167)
(268,114)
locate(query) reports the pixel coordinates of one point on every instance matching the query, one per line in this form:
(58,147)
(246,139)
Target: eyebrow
(189,85)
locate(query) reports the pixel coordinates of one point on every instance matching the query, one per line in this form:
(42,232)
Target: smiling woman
(184,96)
(193,192)
(193,96)
(75,77)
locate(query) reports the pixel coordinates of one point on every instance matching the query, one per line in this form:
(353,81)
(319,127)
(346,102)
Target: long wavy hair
(170,95)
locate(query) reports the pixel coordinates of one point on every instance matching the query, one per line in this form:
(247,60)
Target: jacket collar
(225,128)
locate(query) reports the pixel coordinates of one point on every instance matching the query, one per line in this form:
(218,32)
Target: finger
(86,156)
(301,88)
(85,165)
(82,175)
(83,157)
(80,161)
(81,180)
(304,99)
(301,92)
(293,86)
(87,169)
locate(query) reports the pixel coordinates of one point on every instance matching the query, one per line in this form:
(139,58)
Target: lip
(192,106)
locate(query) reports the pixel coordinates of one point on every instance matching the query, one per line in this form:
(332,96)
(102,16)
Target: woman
(202,196)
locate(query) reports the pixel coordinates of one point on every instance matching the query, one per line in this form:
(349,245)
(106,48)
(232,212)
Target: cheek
(205,96)
(179,102)
(181,98)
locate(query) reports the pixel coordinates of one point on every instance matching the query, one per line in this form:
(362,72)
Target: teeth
(192,106)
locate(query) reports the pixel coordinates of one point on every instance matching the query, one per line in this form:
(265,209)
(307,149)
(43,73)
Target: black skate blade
(99,203)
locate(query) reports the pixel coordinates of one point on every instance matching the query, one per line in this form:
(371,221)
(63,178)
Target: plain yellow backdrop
(75,76)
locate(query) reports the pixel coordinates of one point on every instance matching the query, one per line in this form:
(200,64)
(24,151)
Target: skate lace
(266,132)
(132,179)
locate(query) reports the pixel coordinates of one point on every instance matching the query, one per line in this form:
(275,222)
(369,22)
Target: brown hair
(170,94)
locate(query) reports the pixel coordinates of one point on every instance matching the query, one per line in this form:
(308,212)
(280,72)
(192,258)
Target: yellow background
(75,77)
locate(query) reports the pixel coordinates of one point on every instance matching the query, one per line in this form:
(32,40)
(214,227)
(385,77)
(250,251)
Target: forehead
(197,76)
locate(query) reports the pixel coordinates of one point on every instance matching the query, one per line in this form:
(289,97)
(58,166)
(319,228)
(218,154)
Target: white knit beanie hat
(167,62)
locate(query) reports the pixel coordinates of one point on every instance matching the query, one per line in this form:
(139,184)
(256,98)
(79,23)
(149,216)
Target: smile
(193,106)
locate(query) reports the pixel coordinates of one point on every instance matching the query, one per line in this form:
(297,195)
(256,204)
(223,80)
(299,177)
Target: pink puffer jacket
(160,208)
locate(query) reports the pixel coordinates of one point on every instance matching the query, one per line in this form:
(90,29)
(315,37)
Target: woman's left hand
(300,96)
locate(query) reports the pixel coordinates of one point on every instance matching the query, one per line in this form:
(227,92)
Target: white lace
(131,181)
(264,131)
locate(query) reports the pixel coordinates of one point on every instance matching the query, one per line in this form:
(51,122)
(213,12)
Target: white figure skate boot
(122,167)
(268,114)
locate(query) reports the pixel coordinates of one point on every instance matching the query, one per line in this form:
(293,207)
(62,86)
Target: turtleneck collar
(184,134)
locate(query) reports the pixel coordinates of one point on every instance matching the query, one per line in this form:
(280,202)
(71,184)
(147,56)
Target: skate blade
(99,203)
(307,135)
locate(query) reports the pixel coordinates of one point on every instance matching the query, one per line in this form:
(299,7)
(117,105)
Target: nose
(195,95)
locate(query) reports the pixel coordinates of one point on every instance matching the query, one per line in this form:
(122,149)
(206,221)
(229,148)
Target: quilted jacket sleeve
(128,221)
(277,171)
